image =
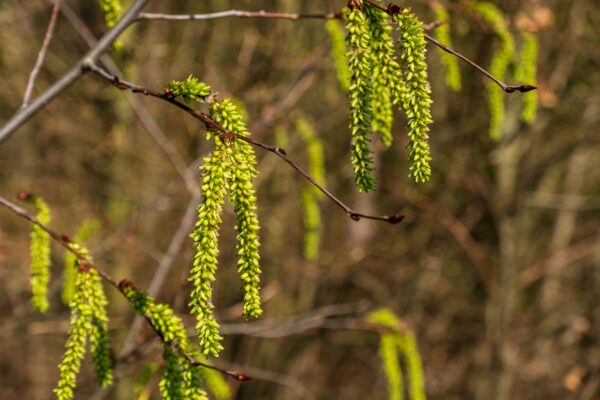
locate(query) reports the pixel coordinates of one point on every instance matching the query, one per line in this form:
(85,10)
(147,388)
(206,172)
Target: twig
(66,242)
(228,135)
(238,14)
(73,74)
(392,9)
(42,54)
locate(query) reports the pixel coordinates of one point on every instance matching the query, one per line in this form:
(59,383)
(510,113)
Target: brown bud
(242,377)
(24,195)
(396,218)
(84,267)
(125,283)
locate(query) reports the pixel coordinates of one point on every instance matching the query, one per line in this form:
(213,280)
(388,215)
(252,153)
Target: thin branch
(238,14)
(392,9)
(141,111)
(228,135)
(66,243)
(42,54)
(73,74)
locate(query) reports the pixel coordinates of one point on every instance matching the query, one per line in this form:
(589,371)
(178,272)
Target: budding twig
(228,135)
(42,54)
(66,242)
(392,9)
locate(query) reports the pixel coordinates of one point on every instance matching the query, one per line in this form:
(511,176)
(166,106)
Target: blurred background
(496,266)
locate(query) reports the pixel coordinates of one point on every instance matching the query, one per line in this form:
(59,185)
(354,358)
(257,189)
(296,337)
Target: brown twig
(238,14)
(392,9)
(211,123)
(42,54)
(66,242)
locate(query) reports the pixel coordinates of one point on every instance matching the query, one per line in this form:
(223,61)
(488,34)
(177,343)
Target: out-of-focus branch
(73,74)
(238,14)
(42,54)
(228,135)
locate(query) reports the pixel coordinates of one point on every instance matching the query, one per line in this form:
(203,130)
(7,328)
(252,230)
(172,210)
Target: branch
(42,54)
(73,74)
(392,9)
(66,243)
(228,135)
(238,14)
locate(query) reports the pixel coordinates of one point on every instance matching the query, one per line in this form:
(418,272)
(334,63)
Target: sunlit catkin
(40,256)
(360,63)
(418,103)
(242,162)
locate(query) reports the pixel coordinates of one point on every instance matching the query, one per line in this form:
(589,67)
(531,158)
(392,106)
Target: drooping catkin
(407,344)
(40,256)
(205,236)
(180,379)
(449,61)
(418,98)
(528,73)
(88,322)
(70,260)
(310,195)
(360,63)
(242,173)
(499,65)
(337,50)
(388,84)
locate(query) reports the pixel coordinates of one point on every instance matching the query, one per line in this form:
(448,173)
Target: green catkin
(216,384)
(315,153)
(190,89)
(112,11)
(407,344)
(387,77)
(388,352)
(243,171)
(499,65)
(70,267)
(88,321)
(205,236)
(80,326)
(99,344)
(418,100)
(528,73)
(442,34)
(360,64)
(40,257)
(192,382)
(179,377)
(171,382)
(310,195)
(338,52)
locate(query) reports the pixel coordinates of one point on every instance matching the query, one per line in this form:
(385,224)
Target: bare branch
(238,14)
(42,54)
(73,74)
